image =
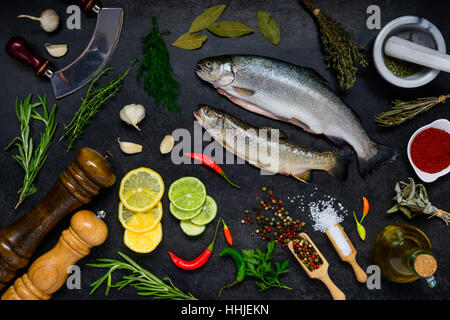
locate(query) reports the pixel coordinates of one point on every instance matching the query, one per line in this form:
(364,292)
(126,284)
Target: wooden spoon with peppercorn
(313,262)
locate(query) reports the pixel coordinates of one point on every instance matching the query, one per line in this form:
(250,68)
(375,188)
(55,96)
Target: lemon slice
(143,242)
(187,193)
(140,221)
(141,189)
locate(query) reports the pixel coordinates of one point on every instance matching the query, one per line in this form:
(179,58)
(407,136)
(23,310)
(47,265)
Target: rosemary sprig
(92,103)
(341,51)
(403,111)
(31,160)
(156,71)
(144,281)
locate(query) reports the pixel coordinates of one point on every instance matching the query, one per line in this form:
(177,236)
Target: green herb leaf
(268,27)
(207,17)
(190,41)
(229,29)
(32,158)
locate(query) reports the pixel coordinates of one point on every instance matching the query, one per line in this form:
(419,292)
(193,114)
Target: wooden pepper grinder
(49,272)
(75,187)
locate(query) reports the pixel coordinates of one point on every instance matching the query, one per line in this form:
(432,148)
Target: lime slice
(208,213)
(184,215)
(187,193)
(191,229)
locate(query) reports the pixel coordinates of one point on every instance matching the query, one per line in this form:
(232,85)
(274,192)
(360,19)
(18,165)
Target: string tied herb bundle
(156,71)
(31,158)
(91,104)
(403,111)
(342,52)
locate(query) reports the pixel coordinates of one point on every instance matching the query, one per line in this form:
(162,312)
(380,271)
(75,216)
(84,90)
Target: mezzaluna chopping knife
(88,64)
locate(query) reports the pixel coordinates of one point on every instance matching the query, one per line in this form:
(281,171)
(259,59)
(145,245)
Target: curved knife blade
(94,58)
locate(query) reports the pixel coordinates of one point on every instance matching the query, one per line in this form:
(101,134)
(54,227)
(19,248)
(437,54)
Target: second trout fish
(294,94)
(266,148)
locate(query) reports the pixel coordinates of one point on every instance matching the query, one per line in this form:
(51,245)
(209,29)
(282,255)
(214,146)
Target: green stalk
(31,160)
(146,283)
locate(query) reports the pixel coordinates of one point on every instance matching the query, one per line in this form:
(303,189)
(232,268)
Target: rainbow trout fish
(294,94)
(259,147)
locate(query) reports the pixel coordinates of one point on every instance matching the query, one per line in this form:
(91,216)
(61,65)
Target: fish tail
(384,155)
(339,170)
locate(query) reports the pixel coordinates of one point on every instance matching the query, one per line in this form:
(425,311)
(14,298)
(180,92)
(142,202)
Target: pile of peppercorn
(273,219)
(306,253)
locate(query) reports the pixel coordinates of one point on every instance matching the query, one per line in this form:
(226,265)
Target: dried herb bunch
(156,71)
(412,199)
(403,111)
(30,157)
(342,52)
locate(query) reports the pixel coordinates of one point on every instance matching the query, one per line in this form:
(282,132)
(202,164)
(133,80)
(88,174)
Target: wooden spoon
(361,276)
(321,273)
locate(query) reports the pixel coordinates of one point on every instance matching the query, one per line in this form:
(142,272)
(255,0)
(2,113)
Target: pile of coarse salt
(324,215)
(327,214)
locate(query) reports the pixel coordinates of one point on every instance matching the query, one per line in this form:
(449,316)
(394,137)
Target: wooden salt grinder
(49,272)
(74,187)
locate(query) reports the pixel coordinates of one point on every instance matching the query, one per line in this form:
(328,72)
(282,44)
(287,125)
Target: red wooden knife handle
(89,5)
(19,49)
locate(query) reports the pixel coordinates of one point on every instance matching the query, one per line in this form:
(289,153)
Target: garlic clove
(129,147)
(167,144)
(132,114)
(56,50)
(49,20)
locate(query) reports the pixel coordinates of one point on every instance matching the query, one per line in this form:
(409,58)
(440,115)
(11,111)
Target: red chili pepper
(200,260)
(365,208)
(207,161)
(227,233)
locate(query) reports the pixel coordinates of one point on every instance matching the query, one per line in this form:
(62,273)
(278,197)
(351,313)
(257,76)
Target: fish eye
(208,64)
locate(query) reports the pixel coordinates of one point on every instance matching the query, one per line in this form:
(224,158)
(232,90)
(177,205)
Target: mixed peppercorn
(273,219)
(307,254)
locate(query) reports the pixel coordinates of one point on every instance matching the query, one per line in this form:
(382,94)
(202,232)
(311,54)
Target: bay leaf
(207,17)
(229,29)
(268,27)
(190,41)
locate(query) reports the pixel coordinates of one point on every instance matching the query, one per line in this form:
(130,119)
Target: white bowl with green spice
(402,73)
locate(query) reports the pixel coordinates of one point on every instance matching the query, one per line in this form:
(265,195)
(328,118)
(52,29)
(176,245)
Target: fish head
(209,117)
(216,70)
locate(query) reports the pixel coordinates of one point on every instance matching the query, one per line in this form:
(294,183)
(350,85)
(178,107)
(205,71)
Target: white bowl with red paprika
(429,150)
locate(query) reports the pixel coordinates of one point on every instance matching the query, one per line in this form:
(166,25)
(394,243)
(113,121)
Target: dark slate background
(300,45)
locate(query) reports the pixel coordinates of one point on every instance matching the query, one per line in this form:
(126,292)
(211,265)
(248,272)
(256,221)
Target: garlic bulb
(133,114)
(49,20)
(129,147)
(167,144)
(56,50)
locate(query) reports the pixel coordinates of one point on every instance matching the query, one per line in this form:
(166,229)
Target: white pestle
(412,52)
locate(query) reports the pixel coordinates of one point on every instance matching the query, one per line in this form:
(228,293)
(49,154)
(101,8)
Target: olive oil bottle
(404,254)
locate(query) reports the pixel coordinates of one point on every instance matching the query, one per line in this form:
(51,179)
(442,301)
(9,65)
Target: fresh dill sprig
(156,71)
(92,103)
(31,160)
(144,281)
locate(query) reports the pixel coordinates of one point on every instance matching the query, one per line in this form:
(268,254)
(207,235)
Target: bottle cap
(425,265)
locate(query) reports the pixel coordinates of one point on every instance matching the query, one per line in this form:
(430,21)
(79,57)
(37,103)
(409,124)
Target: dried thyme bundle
(403,111)
(412,199)
(342,52)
